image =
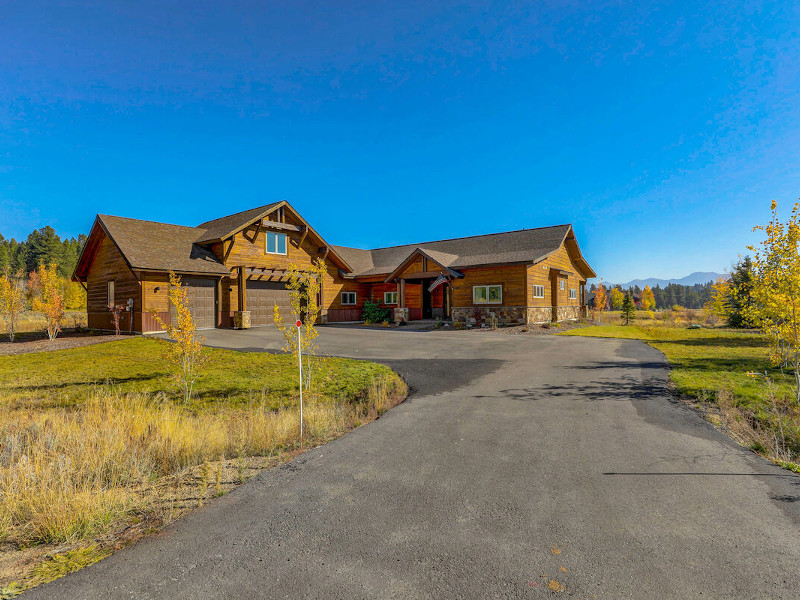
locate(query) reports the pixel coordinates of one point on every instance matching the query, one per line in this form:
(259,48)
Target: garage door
(200,293)
(262,296)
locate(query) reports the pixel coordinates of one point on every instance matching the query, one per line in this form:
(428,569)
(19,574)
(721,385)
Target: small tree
(616,297)
(628,309)
(116,317)
(48,297)
(775,291)
(187,350)
(304,288)
(12,299)
(600,299)
(648,298)
(740,294)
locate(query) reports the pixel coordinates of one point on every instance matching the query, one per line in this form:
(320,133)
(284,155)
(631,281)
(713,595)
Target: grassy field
(95,440)
(33,321)
(726,371)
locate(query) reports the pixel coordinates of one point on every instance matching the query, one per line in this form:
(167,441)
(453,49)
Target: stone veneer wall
(506,315)
(540,314)
(514,315)
(565,313)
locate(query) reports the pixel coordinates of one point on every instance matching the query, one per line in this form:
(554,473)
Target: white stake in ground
(300,365)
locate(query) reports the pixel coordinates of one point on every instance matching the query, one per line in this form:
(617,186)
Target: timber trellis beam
(258,272)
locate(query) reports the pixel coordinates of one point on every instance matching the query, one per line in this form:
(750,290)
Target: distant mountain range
(694,278)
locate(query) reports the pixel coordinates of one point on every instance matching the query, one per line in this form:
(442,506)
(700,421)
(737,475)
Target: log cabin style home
(234,269)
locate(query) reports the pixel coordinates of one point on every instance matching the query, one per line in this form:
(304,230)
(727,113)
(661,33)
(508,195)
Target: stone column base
(400,315)
(241,319)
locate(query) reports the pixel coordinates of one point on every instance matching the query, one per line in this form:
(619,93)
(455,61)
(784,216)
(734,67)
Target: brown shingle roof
(219,229)
(526,245)
(161,247)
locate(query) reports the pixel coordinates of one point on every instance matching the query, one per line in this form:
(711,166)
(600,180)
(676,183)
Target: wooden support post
(242,290)
(402,294)
(218,304)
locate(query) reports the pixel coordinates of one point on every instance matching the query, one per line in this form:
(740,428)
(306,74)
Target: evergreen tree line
(42,245)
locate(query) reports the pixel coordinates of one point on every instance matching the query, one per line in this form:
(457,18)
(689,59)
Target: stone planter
(241,319)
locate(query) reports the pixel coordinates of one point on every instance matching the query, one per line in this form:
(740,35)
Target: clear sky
(661,131)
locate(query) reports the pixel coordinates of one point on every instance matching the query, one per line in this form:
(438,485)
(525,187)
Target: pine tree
(628,309)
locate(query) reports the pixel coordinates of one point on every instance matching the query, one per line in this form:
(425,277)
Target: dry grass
(31,321)
(73,473)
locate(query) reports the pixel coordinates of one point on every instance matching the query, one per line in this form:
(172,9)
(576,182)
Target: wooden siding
(513,278)
(249,248)
(540,274)
(109,265)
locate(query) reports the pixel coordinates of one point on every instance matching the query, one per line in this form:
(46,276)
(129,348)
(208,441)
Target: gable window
(573,294)
(111,300)
(562,284)
(276,243)
(538,291)
(487,294)
(349,298)
(390,297)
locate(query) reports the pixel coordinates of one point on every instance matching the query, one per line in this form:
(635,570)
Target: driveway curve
(518,463)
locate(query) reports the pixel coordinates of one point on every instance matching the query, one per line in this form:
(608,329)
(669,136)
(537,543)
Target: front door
(427,311)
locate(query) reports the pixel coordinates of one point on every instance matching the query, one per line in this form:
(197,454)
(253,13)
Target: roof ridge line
(150,221)
(467,237)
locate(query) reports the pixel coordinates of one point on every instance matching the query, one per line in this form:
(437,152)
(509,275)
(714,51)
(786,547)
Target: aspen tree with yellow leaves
(12,300)
(304,288)
(48,297)
(648,298)
(186,351)
(775,290)
(600,300)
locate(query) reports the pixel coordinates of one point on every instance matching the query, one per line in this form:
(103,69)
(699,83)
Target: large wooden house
(236,267)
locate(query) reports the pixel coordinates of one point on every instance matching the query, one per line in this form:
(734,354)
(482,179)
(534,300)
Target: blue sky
(661,131)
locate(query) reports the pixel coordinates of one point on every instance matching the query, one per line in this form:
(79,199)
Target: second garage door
(262,296)
(200,294)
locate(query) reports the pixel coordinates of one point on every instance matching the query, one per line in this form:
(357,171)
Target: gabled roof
(522,246)
(222,228)
(440,258)
(152,246)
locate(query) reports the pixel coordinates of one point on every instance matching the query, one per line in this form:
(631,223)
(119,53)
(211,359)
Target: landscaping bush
(374,312)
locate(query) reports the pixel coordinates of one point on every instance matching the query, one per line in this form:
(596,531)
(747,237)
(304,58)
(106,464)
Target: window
(573,294)
(487,294)
(538,291)
(110,294)
(349,298)
(276,243)
(390,297)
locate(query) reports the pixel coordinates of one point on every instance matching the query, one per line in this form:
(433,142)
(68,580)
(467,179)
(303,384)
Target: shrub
(374,312)
(647,314)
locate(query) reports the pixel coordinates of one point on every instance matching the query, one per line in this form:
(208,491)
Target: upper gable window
(276,243)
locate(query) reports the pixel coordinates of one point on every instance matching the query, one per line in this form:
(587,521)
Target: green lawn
(704,360)
(137,365)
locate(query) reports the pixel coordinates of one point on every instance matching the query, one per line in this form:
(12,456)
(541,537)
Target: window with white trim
(562,284)
(348,298)
(111,299)
(390,297)
(538,291)
(573,294)
(276,243)
(487,294)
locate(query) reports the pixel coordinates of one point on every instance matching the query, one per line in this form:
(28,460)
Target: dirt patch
(36,342)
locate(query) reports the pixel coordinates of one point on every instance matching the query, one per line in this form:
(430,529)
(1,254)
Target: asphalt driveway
(518,460)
